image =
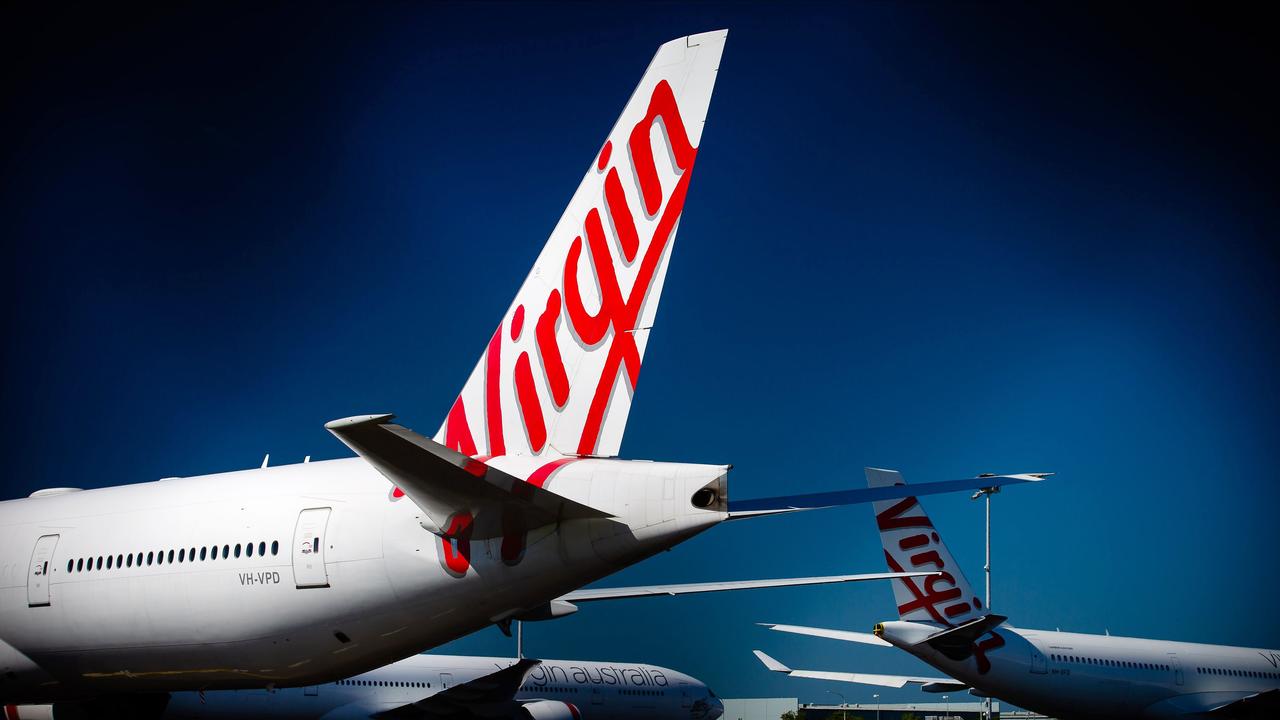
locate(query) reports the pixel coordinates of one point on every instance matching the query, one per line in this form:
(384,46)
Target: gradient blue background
(942,238)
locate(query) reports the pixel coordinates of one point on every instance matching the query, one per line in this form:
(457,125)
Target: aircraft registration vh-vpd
(304,574)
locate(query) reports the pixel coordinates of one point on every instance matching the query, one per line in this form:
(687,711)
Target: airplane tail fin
(912,543)
(558,374)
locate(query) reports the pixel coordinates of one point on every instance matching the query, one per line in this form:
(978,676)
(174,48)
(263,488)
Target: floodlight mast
(844,712)
(986,494)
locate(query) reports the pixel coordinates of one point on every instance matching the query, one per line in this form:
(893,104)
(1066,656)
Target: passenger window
(275,547)
(109,559)
(248,550)
(262,549)
(170,557)
(150,557)
(237,549)
(202,553)
(182,555)
(70,565)
(160,558)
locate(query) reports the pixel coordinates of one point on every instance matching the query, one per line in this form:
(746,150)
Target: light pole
(986,569)
(948,702)
(844,713)
(876,697)
(986,493)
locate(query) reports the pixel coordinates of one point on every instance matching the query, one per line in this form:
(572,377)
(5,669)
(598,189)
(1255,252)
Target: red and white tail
(912,544)
(558,374)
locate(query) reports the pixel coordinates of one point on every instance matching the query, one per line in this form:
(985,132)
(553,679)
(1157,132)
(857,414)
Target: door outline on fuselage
(38,571)
(309,570)
(1039,665)
(1176,664)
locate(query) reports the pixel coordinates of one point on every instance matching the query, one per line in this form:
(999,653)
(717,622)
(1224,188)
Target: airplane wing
(814,501)
(1261,704)
(928,684)
(495,688)
(846,635)
(1218,704)
(618,593)
(442,481)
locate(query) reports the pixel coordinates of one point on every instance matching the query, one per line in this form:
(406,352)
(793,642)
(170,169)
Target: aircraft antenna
(265,458)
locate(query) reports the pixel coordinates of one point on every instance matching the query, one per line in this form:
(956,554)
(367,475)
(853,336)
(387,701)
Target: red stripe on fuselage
(542,474)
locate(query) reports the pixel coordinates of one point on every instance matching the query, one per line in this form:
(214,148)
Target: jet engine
(550,710)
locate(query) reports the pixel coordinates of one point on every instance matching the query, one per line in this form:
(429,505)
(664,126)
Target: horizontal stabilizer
(460,700)
(891,681)
(957,642)
(846,635)
(619,593)
(856,496)
(445,483)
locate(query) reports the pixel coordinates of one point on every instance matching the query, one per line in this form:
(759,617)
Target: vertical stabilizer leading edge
(558,374)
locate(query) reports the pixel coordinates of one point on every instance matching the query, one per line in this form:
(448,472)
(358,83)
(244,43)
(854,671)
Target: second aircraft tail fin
(912,543)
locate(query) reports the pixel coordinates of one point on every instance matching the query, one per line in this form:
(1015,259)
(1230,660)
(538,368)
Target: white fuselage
(1072,675)
(563,688)
(349,579)
(614,691)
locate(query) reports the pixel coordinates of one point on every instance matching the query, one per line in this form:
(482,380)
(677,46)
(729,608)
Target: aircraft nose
(716,710)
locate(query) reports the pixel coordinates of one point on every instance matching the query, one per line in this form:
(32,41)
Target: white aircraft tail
(559,373)
(911,543)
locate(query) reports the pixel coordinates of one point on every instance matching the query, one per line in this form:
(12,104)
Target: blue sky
(947,239)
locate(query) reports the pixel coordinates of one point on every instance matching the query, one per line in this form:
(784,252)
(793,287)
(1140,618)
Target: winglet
(770,663)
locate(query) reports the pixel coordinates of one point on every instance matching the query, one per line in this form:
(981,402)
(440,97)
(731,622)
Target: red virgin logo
(539,371)
(940,597)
